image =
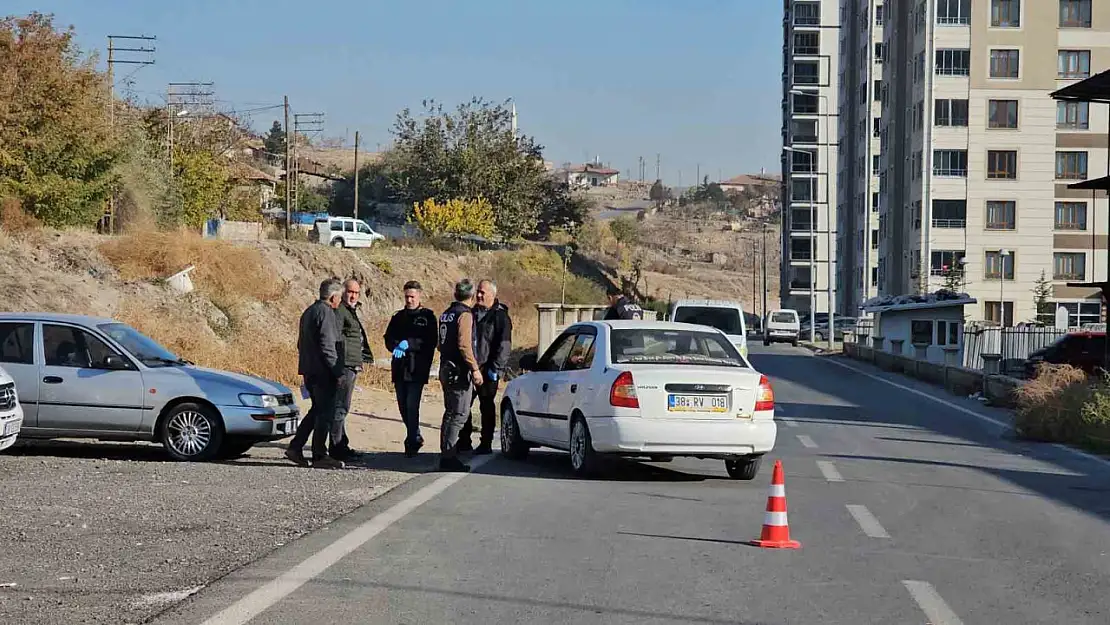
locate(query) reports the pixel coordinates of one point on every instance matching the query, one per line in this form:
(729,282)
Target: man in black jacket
(493,341)
(320,361)
(620,307)
(356,353)
(411,336)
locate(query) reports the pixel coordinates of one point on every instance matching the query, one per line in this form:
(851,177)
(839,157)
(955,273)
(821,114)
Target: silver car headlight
(258,401)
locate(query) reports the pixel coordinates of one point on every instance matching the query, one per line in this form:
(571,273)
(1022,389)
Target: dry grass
(15,220)
(1062,404)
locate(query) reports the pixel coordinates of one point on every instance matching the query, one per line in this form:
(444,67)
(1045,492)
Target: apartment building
(862,55)
(976,157)
(810,105)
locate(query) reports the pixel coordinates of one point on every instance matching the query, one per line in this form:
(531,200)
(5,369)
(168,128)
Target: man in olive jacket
(411,336)
(356,353)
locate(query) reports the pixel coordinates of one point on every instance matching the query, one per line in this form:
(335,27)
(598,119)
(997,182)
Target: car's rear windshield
(673,347)
(782,317)
(726,320)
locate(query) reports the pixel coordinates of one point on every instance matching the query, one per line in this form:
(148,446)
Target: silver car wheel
(190,432)
(577,445)
(508,430)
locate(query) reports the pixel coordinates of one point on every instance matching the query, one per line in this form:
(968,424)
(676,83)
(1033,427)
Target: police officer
(411,336)
(492,344)
(620,307)
(458,373)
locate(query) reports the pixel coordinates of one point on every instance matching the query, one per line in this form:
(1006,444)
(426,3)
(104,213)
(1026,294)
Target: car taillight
(623,393)
(765,400)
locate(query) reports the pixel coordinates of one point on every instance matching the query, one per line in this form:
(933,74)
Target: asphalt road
(910,510)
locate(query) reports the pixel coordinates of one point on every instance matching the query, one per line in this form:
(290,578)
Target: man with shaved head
(493,341)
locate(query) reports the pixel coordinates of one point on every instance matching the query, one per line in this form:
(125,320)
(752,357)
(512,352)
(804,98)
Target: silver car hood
(247,383)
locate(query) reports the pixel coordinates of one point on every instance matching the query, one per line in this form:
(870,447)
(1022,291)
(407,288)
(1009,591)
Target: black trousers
(320,418)
(408,403)
(486,394)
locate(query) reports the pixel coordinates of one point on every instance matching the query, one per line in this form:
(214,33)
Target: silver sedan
(89,377)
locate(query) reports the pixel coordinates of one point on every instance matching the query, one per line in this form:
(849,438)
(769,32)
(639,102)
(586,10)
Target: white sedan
(11,413)
(642,389)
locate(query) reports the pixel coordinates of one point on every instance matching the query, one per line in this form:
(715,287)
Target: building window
(799,278)
(950,163)
(800,248)
(807,73)
(1001,215)
(1073,64)
(949,213)
(1071,216)
(1002,164)
(1075,13)
(1002,114)
(1001,313)
(874,276)
(948,333)
(953,12)
(953,62)
(805,103)
(803,189)
(1073,115)
(875,202)
(1080,313)
(943,261)
(874,238)
(879,14)
(807,13)
(878,88)
(999,266)
(880,48)
(803,161)
(1004,63)
(876,163)
(1071,165)
(876,127)
(1069,266)
(807,43)
(802,219)
(950,112)
(1006,13)
(803,130)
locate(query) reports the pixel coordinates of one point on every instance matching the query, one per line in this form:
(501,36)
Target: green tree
(625,230)
(202,181)
(57,156)
(561,208)
(1042,291)
(274,141)
(660,193)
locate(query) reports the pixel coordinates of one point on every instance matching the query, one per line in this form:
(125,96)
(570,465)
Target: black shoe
(327,463)
(464,445)
(296,456)
(453,465)
(411,449)
(347,454)
(484,449)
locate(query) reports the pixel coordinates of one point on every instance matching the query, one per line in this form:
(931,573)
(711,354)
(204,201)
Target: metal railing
(949,223)
(1014,344)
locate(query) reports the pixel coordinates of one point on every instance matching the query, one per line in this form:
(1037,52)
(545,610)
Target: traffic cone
(776,529)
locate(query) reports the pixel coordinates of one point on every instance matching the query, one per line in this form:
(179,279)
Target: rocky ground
(115,533)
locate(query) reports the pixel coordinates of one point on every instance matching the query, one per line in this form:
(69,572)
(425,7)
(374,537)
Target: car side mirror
(528,362)
(115,362)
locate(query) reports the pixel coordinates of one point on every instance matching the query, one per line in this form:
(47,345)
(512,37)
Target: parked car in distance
(344,232)
(728,317)
(843,324)
(11,413)
(89,377)
(647,389)
(783,326)
(1084,350)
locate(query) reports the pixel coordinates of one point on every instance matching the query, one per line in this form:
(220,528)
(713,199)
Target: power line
(140,56)
(303,123)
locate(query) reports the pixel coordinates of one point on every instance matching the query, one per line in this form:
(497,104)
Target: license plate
(11,427)
(780,332)
(697,403)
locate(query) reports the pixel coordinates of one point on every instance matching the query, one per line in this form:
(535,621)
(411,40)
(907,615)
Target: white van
(728,317)
(345,232)
(11,413)
(782,326)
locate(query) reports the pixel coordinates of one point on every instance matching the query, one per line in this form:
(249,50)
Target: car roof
(59,317)
(639,324)
(713,303)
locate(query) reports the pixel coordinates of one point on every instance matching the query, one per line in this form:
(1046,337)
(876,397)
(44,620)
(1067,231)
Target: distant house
(246,178)
(589,175)
(765,187)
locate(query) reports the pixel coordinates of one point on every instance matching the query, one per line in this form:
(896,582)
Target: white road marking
(807,441)
(288,582)
(867,521)
(828,470)
(982,417)
(935,609)
(789,422)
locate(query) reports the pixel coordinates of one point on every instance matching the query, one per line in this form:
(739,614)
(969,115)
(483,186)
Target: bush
(1062,405)
(15,220)
(453,218)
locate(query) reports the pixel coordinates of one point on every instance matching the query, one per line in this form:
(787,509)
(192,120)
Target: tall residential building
(857,197)
(810,101)
(976,157)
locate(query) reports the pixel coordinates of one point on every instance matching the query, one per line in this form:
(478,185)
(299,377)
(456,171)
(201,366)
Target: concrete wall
(240,231)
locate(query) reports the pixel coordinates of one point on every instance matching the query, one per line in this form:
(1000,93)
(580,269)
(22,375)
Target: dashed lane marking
(867,521)
(828,470)
(807,441)
(931,603)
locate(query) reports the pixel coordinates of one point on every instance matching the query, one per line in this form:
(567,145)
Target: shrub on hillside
(15,220)
(453,218)
(1063,405)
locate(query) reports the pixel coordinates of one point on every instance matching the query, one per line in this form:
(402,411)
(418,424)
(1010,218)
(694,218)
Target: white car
(345,232)
(649,389)
(11,413)
(728,317)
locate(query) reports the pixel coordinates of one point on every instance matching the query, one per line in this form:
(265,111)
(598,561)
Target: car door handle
(545,387)
(52,379)
(573,388)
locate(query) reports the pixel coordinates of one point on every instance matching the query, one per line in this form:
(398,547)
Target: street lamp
(1002,254)
(812,241)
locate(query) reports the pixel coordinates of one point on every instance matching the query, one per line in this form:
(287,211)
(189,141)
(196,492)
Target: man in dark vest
(411,336)
(620,307)
(458,373)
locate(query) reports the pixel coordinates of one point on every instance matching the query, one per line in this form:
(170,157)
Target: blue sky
(694,80)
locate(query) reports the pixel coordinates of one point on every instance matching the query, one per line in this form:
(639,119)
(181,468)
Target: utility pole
(288,171)
(132,56)
(356,174)
(180,98)
(309,122)
(764,270)
(658,162)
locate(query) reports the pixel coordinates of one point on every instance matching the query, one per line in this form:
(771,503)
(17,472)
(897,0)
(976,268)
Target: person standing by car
(356,353)
(493,342)
(320,362)
(411,336)
(458,373)
(620,307)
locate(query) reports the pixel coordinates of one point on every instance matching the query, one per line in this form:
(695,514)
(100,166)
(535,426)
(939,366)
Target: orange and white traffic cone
(776,528)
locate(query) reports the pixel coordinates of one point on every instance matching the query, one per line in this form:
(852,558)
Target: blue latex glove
(492,375)
(402,347)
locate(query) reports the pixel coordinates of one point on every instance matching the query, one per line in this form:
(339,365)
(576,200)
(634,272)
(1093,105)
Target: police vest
(449,334)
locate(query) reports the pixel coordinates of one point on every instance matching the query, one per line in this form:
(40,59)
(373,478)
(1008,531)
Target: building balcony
(950,223)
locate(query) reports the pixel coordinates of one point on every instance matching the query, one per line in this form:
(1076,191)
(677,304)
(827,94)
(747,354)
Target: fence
(1014,344)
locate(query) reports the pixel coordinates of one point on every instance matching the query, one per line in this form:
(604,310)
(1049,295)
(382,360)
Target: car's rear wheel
(235,447)
(743,468)
(337,243)
(191,432)
(513,444)
(583,459)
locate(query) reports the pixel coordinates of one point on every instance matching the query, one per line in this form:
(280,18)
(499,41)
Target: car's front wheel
(583,459)
(513,444)
(743,468)
(191,432)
